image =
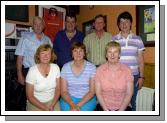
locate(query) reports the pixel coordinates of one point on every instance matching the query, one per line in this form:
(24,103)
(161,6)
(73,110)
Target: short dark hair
(71,15)
(124,15)
(100,16)
(53,10)
(78,44)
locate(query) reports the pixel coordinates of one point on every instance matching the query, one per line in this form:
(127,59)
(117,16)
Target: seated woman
(77,85)
(43,81)
(113,81)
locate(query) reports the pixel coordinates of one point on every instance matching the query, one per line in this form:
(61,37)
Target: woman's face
(125,25)
(78,54)
(45,56)
(113,55)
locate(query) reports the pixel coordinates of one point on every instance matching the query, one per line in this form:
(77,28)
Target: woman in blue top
(77,84)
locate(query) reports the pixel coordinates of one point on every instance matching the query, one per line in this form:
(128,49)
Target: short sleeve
(20,47)
(64,71)
(30,78)
(58,71)
(140,44)
(96,77)
(93,71)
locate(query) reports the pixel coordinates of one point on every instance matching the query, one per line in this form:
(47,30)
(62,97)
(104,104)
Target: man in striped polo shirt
(96,41)
(131,52)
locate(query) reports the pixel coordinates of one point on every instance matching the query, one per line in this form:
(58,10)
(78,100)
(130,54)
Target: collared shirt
(27,47)
(62,46)
(130,47)
(95,47)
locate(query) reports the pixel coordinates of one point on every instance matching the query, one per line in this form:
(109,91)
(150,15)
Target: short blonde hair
(37,18)
(113,44)
(44,47)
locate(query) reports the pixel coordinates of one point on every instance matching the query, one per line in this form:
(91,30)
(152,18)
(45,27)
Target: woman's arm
(32,99)
(57,94)
(88,95)
(128,96)
(65,95)
(99,95)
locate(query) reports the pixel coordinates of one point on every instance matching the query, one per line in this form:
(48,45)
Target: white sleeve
(58,70)
(30,78)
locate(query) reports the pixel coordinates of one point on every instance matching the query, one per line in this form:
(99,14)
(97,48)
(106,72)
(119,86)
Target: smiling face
(99,24)
(70,24)
(78,54)
(113,55)
(45,56)
(38,25)
(125,25)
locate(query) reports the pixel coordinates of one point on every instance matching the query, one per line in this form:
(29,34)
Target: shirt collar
(130,35)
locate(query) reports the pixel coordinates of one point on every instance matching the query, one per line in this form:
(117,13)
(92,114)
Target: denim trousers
(133,100)
(88,106)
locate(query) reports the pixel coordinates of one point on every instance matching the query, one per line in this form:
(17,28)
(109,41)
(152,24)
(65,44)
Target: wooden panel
(149,72)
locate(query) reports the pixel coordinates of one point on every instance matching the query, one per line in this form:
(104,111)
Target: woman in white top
(42,81)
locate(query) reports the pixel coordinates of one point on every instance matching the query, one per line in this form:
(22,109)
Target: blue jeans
(133,100)
(88,106)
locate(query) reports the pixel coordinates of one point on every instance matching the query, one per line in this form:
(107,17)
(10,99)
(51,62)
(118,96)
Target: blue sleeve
(20,47)
(56,41)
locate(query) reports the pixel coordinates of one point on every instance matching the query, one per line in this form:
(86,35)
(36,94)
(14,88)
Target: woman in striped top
(77,85)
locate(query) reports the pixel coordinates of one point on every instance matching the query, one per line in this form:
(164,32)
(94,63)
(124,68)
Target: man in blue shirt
(25,51)
(64,39)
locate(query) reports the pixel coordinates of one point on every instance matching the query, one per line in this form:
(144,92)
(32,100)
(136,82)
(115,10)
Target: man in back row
(64,39)
(25,51)
(96,41)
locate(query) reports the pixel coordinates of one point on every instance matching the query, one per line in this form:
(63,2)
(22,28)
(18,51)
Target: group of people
(78,73)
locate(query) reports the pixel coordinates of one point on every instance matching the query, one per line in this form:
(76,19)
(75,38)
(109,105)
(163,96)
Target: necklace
(44,71)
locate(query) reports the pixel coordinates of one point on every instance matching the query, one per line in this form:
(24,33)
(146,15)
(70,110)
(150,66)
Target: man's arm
(20,76)
(141,69)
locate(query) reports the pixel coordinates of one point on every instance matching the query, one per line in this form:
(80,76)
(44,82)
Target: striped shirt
(27,47)
(130,47)
(78,85)
(95,47)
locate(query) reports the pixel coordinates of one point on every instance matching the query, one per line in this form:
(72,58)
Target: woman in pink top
(114,81)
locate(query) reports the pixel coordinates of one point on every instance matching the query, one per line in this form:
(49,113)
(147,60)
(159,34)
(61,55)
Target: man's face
(125,25)
(38,26)
(99,24)
(70,24)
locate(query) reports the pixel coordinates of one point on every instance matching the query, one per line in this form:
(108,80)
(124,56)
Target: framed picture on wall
(146,24)
(88,26)
(54,18)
